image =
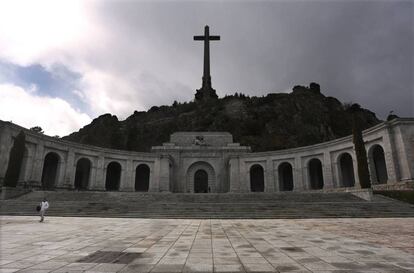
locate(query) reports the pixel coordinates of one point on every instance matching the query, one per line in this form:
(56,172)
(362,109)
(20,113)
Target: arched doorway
(113,176)
(50,170)
(197,175)
(315,174)
(285,177)
(200,181)
(380,167)
(82,174)
(346,169)
(256,178)
(142,176)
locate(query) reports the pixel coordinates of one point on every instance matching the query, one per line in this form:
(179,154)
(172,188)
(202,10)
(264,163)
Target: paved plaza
(69,244)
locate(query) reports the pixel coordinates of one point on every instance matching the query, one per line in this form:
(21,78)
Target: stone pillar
(389,154)
(355,165)
(154,185)
(244,177)
(404,152)
(99,182)
(336,174)
(234,174)
(276,177)
(164,177)
(126,183)
(269,179)
(38,165)
(68,169)
(92,175)
(299,180)
(327,171)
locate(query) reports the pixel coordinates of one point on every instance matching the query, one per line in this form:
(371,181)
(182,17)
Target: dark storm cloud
(359,51)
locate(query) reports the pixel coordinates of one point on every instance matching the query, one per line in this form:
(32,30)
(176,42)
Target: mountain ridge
(272,122)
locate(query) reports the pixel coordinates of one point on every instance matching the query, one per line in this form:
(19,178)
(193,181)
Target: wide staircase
(225,205)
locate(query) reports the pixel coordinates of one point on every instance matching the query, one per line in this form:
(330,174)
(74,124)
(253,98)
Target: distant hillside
(276,121)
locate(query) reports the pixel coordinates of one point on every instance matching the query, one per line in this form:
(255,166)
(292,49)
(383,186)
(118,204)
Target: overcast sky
(63,63)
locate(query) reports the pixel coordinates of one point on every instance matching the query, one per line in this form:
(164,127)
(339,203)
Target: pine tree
(15,161)
(359,146)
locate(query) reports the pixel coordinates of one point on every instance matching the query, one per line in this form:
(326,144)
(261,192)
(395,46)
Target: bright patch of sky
(57,83)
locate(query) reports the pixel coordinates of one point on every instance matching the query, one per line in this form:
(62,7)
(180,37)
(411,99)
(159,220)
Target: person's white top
(44,205)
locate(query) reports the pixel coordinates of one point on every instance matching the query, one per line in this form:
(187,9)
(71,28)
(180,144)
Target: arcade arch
(142,177)
(50,170)
(379,166)
(346,170)
(285,177)
(315,174)
(82,174)
(256,178)
(113,176)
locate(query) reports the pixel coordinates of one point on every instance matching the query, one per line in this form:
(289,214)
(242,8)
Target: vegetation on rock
(272,122)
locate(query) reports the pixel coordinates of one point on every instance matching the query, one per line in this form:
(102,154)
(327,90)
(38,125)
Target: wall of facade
(389,145)
(38,146)
(396,139)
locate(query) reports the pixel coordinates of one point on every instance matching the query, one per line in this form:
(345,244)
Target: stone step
(221,206)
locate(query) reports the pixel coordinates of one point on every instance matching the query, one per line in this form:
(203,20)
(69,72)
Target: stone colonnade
(57,164)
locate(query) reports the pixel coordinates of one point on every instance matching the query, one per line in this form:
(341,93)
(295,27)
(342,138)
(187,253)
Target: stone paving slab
(108,245)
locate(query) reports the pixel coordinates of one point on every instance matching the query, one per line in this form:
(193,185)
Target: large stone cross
(206,85)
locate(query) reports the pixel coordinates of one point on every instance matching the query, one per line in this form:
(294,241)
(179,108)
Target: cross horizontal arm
(214,38)
(199,38)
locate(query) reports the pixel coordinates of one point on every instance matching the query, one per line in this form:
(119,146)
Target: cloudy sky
(63,63)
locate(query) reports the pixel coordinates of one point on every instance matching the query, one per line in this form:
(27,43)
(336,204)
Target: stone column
(68,169)
(92,175)
(327,171)
(38,165)
(404,152)
(234,174)
(154,185)
(126,183)
(164,177)
(276,177)
(336,175)
(269,177)
(244,177)
(299,183)
(391,158)
(355,166)
(99,183)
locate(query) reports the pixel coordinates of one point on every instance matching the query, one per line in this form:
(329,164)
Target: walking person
(44,205)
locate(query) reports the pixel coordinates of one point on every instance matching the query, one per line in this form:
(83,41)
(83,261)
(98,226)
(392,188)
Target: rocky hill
(276,121)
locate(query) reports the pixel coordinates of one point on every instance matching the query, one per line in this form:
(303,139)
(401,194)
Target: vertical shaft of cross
(206,70)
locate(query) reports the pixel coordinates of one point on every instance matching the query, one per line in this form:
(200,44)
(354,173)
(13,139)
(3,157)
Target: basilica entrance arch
(200,181)
(201,178)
